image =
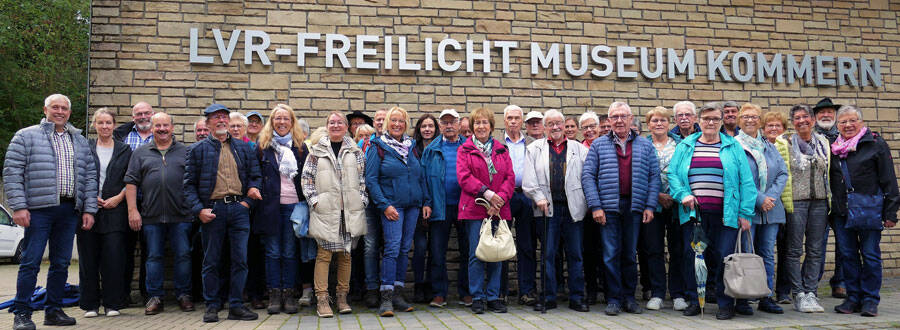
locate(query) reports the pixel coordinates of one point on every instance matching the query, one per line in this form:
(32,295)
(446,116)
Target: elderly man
(729,118)
(825,111)
(255,122)
(51,185)
(439,159)
(605,125)
(620,200)
(685,119)
(221,179)
(534,125)
(158,169)
(553,181)
(201,131)
(520,204)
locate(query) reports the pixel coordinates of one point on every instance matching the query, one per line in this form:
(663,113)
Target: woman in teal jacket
(710,176)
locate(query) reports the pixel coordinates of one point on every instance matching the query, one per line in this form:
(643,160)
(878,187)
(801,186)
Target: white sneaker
(800,302)
(306,298)
(90,313)
(112,312)
(654,304)
(812,303)
(679,304)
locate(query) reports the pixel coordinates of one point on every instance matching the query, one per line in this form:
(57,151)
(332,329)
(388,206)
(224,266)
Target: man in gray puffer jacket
(50,182)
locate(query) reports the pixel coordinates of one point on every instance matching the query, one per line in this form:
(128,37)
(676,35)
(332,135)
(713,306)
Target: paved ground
(456,317)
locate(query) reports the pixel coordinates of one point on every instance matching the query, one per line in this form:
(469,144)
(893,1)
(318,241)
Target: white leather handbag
(494,246)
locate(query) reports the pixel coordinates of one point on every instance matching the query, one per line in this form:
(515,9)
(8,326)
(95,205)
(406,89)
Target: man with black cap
(356,119)
(221,179)
(825,112)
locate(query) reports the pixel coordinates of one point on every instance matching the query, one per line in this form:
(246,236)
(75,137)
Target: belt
(228,199)
(66,200)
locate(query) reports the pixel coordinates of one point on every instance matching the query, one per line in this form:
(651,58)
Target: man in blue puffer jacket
(620,201)
(50,181)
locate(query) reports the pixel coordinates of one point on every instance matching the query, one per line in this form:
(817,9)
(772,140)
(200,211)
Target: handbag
(863,211)
(744,273)
(494,246)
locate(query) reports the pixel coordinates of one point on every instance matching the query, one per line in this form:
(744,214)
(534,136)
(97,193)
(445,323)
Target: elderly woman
(335,187)
(774,124)
(397,187)
(484,170)
(100,253)
(710,177)
(771,176)
(664,223)
(281,155)
(237,127)
(590,127)
(861,165)
(363,133)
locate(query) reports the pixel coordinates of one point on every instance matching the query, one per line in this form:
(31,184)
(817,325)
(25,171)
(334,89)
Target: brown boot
(290,301)
(324,307)
(342,306)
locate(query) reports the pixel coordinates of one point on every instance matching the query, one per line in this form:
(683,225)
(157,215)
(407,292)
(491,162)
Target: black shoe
(419,293)
(550,305)
(372,299)
(769,306)
(211,315)
(591,299)
(356,295)
(692,310)
(578,306)
(241,313)
(632,307)
(725,314)
(613,309)
(847,307)
(496,306)
(57,317)
(743,308)
(869,309)
(23,322)
(478,307)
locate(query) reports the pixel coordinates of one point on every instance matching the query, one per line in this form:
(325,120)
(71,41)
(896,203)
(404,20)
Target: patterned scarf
(756,147)
(287,164)
(842,148)
(485,149)
(804,154)
(401,148)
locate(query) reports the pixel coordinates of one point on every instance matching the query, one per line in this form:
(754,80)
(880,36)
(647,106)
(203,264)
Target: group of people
(260,207)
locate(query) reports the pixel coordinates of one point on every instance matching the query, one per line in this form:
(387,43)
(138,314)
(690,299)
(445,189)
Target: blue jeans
(281,248)
(563,228)
(372,248)
(398,236)
(440,238)
(179,240)
(862,278)
(56,225)
(837,279)
(620,236)
(232,222)
(764,236)
(480,270)
(420,257)
(527,234)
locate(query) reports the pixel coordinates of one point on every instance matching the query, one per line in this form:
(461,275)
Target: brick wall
(139,52)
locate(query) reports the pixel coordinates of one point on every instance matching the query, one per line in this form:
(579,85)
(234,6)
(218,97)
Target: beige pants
(323,262)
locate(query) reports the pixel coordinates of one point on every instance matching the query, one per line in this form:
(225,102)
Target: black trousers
(100,257)
(132,238)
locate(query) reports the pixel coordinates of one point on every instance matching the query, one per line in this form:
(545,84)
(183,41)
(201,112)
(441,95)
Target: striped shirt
(706,176)
(65,163)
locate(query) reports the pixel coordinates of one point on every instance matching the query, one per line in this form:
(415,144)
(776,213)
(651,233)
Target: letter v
(225,53)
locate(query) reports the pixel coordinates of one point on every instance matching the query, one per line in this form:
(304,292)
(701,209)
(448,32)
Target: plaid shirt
(134,140)
(65,163)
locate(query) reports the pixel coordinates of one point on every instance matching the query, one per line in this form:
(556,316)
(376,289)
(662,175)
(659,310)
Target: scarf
(804,154)
(842,148)
(756,147)
(287,164)
(485,149)
(401,148)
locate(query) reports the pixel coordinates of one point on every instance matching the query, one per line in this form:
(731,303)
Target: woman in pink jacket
(484,170)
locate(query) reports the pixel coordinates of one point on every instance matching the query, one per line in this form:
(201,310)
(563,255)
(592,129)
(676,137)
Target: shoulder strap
(380,150)
(846,174)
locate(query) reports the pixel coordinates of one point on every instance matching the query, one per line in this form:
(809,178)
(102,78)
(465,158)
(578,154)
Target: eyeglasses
(848,122)
(219,116)
(711,120)
(775,125)
(658,120)
(684,115)
(336,123)
(750,117)
(449,122)
(591,126)
(553,124)
(619,117)
(802,117)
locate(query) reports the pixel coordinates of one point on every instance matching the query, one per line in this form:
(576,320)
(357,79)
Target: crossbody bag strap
(846,174)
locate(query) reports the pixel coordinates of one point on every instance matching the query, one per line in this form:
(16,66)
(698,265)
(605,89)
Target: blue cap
(215,107)
(254,113)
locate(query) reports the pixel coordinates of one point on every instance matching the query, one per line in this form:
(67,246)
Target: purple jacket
(474,179)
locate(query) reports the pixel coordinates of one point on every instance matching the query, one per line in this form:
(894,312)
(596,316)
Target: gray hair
(618,104)
(849,109)
(636,122)
(553,113)
(104,111)
(588,115)
(304,125)
(711,106)
(688,104)
(800,107)
(512,107)
(55,97)
(237,115)
(729,104)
